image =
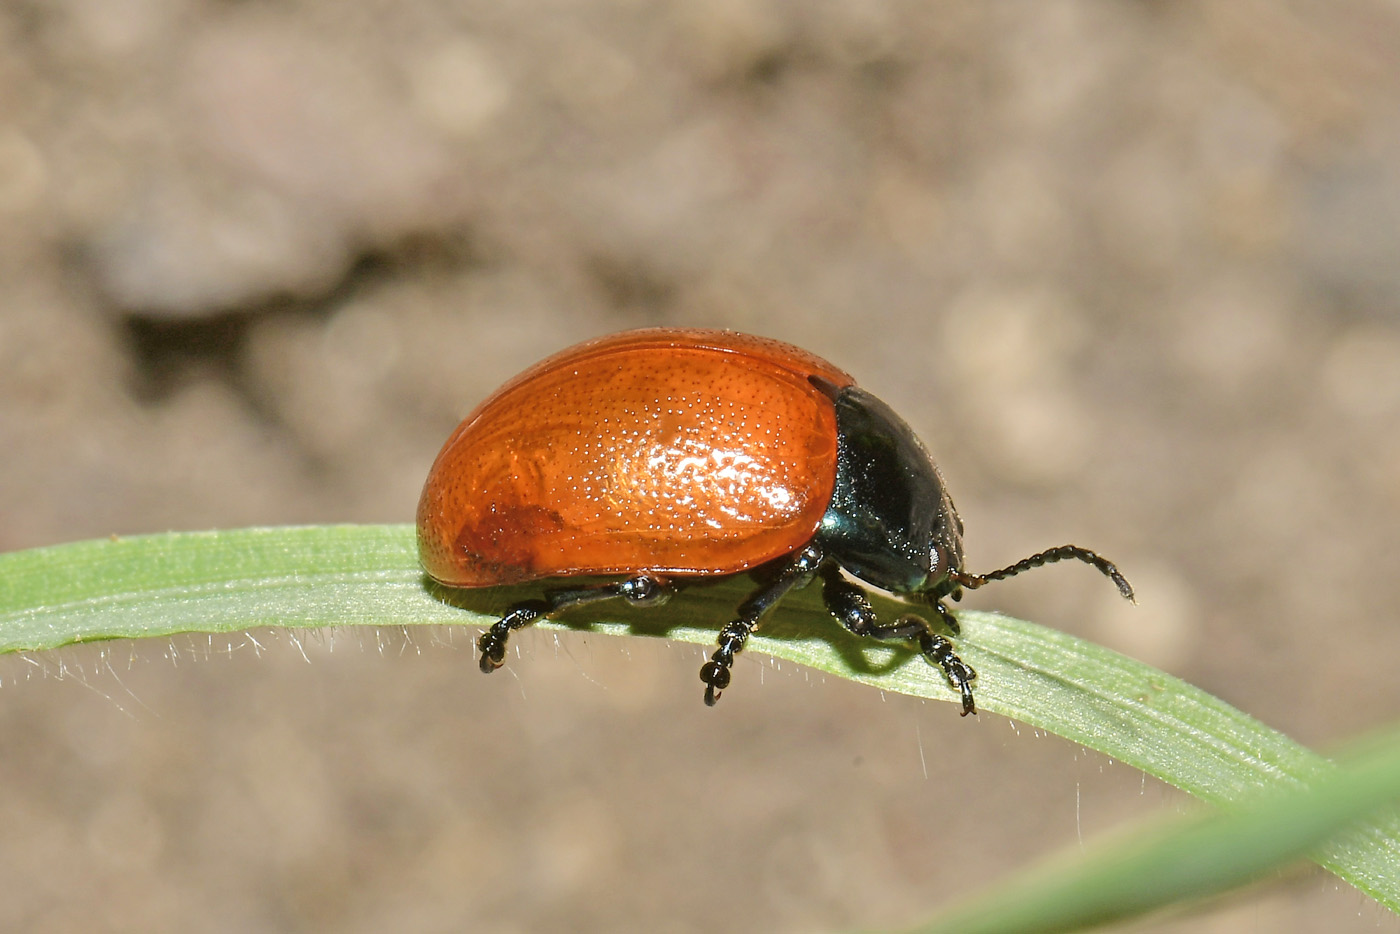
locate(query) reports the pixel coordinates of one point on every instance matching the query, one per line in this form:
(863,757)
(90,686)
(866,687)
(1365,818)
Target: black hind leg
(849,604)
(642,590)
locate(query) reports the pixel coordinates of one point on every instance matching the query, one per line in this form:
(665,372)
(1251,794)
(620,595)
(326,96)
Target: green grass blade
(322,576)
(1193,860)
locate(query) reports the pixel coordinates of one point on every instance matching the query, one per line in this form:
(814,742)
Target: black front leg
(849,604)
(797,572)
(642,590)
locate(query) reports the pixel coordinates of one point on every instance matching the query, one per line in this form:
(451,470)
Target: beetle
(665,455)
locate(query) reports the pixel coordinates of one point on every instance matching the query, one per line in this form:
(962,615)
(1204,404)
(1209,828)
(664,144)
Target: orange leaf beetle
(664,455)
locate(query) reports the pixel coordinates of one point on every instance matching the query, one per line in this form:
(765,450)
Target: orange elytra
(664,455)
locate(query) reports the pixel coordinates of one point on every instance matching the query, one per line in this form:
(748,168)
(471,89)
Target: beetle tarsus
(640,590)
(716,672)
(848,603)
(493,651)
(716,678)
(939,650)
(492,643)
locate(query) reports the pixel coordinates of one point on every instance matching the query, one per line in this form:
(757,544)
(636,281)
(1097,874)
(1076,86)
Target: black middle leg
(642,590)
(797,572)
(848,603)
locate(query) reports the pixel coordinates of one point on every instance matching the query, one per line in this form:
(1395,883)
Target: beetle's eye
(937,561)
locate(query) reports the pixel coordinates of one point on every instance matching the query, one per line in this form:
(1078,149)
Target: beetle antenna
(1050,556)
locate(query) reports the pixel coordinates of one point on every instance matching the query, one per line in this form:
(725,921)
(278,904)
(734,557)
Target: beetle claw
(968,704)
(715,674)
(493,650)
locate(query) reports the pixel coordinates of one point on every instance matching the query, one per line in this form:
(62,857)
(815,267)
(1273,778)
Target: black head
(890,522)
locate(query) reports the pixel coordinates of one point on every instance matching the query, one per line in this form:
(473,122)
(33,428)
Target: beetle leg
(642,590)
(849,604)
(797,572)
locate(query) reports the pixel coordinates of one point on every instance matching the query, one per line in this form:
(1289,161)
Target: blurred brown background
(1131,269)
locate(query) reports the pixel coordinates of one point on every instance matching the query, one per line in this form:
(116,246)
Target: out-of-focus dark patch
(167,352)
(631,286)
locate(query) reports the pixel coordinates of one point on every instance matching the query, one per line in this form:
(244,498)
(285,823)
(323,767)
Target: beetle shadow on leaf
(700,605)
